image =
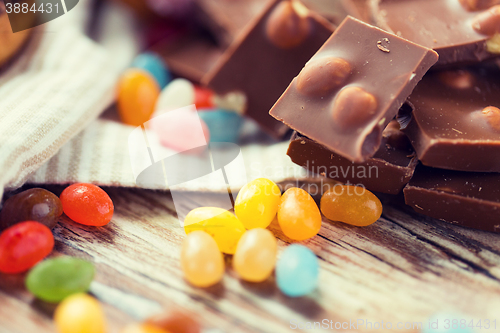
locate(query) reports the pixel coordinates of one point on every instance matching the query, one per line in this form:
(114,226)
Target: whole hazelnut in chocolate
(488,22)
(323,75)
(288,25)
(353,108)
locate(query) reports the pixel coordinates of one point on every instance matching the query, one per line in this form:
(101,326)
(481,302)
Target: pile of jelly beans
(146,91)
(212,232)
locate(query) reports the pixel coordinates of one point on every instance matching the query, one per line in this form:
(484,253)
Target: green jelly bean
(55,279)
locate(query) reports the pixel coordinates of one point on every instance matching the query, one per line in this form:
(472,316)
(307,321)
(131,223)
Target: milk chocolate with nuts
(262,62)
(352,88)
(455,123)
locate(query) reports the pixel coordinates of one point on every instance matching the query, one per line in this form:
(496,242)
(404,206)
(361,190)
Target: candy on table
(298,214)
(351,204)
(201,260)
(181,129)
(255,255)
(223,125)
(23,245)
(87,204)
(177,94)
(143,328)
(137,96)
(176,321)
(55,279)
(219,223)
(203,97)
(80,313)
(257,203)
(35,204)
(338,100)
(155,66)
(297,271)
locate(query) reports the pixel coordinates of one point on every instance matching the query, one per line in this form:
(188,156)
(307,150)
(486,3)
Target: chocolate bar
(388,171)
(468,199)
(461,31)
(268,56)
(455,123)
(352,88)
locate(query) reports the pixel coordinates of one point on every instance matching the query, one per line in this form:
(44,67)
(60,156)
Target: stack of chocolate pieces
(371,94)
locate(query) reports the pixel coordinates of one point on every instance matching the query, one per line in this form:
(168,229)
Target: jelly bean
(351,204)
(23,245)
(180,130)
(201,260)
(179,93)
(155,66)
(35,204)
(137,96)
(87,204)
(234,101)
(176,321)
(255,255)
(297,271)
(55,279)
(224,126)
(142,328)
(203,97)
(298,214)
(80,313)
(222,225)
(257,203)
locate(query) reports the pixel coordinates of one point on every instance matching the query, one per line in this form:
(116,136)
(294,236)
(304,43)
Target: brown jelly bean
(35,204)
(323,75)
(488,22)
(353,107)
(288,25)
(459,79)
(492,114)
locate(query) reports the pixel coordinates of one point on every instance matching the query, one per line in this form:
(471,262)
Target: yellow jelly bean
(137,95)
(351,204)
(222,225)
(80,313)
(255,255)
(142,328)
(257,203)
(298,214)
(201,260)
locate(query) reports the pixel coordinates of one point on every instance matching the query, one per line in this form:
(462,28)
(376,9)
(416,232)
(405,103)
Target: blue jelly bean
(153,64)
(297,271)
(224,125)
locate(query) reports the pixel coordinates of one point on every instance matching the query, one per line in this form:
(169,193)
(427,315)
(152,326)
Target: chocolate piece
(468,199)
(352,88)
(190,58)
(226,19)
(262,62)
(388,171)
(443,25)
(455,123)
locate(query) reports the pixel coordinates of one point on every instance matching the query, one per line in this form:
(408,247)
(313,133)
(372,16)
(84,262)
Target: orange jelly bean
(255,255)
(351,204)
(137,96)
(176,321)
(298,214)
(142,328)
(201,260)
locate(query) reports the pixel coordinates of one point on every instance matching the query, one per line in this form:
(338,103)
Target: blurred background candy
(224,126)
(153,64)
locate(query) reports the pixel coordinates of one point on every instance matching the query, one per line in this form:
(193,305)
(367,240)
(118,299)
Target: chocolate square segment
(267,56)
(352,88)
(455,122)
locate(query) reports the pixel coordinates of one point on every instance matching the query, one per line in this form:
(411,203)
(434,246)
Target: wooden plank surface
(402,269)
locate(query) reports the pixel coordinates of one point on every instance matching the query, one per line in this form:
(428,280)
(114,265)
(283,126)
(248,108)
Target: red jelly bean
(23,245)
(87,204)
(203,98)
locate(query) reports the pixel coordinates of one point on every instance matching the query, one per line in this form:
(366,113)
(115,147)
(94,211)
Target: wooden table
(402,269)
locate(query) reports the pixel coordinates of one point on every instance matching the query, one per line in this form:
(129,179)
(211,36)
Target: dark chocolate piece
(352,88)
(268,56)
(388,171)
(455,123)
(447,26)
(469,199)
